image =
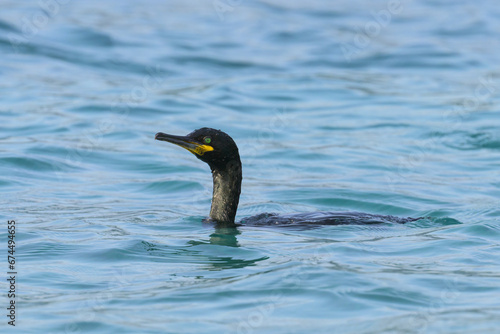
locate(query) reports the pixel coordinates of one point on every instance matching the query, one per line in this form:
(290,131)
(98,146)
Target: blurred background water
(386,107)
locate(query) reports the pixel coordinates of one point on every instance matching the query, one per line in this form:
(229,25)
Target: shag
(220,152)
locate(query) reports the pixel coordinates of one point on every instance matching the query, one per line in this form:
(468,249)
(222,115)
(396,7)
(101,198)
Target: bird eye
(207,140)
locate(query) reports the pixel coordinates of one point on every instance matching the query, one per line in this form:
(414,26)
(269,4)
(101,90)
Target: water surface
(352,106)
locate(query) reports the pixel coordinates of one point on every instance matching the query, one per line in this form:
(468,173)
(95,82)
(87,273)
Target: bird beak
(185,142)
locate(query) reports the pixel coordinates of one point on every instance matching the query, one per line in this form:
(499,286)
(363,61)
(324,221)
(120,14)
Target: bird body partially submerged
(220,152)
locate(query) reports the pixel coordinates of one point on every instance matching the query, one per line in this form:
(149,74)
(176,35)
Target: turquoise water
(362,106)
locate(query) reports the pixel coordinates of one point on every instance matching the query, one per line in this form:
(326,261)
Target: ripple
(36,164)
(111,236)
(173,186)
(85,36)
(7,27)
(462,140)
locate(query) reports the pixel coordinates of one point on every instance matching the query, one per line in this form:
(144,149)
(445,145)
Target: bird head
(214,147)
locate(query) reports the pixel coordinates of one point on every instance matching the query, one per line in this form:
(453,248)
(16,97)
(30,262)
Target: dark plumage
(220,152)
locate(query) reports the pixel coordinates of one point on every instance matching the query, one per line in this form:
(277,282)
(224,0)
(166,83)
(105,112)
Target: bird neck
(226,193)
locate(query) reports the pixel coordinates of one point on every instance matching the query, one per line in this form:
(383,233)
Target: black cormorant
(220,152)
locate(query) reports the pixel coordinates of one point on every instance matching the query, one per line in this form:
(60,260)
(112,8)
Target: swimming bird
(220,152)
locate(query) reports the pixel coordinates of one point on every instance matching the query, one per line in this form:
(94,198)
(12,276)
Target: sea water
(384,107)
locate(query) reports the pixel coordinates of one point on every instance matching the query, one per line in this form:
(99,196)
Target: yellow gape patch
(202,149)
